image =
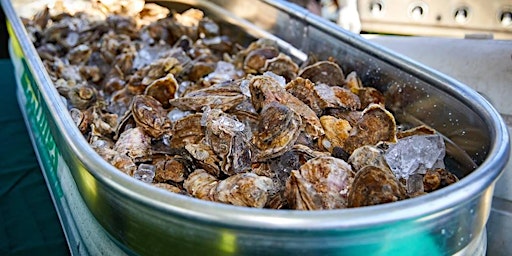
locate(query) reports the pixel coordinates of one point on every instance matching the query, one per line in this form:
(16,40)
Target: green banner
(36,109)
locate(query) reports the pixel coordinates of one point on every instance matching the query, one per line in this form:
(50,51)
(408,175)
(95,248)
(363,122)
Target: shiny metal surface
(146,220)
(452,18)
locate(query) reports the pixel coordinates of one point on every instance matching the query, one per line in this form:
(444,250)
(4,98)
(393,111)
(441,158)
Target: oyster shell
(336,132)
(135,144)
(163,89)
(205,157)
(278,129)
(242,189)
(321,183)
(375,125)
(367,155)
(305,91)
(221,97)
(324,72)
(169,168)
(282,65)
(149,114)
(373,185)
(226,137)
(187,130)
(170,100)
(265,89)
(255,60)
(438,178)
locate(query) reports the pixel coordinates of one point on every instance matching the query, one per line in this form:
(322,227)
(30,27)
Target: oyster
(265,89)
(242,189)
(149,114)
(169,169)
(163,89)
(222,97)
(170,100)
(305,91)
(321,183)
(373,185)
(201,184)
(135,144)
(438,178)
(187,130)
(255,61)
(282,65)
(336,97)
(353,83)
(367,155)
(336,132)
(324,72)
(375,125)
(205,157)
(79,96)
(278,129)
(370,95)
(226,137)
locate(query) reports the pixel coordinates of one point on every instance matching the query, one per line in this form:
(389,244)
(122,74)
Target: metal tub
(141,219)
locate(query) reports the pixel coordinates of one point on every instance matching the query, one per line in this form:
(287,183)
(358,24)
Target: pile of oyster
(169,100)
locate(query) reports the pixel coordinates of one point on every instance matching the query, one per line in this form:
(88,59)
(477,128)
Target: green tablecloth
(29,224)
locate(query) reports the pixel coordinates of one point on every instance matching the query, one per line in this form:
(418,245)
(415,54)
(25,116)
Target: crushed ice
(145,173)
(415,154)
(281,80)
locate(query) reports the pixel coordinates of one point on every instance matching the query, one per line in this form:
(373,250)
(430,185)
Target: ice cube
(216,120)
(415,154)
(177,114)
(281,80)
(244,87)
(224,71)
(145,173)
(229,125)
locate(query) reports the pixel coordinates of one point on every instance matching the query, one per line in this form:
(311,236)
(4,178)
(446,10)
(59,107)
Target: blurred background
(446,18)
(3,37)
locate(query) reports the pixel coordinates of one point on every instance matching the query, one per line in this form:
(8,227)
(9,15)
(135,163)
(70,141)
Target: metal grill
(451,18)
